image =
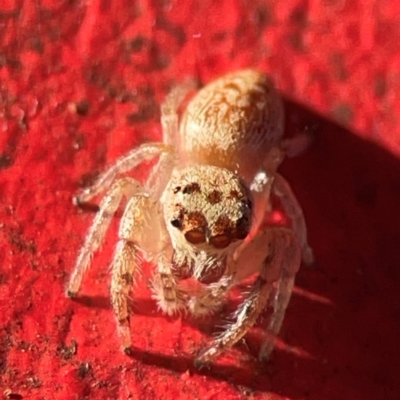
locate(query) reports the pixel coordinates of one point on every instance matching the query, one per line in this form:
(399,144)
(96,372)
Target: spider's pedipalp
(210,298)
(170,298)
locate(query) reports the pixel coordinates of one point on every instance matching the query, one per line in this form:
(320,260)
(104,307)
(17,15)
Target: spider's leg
(147,151)
(276,250)
(293,210)
(290,266)
(127,187)
(297,144)
(126,262)
(125,163)
(169,112)
(160,175)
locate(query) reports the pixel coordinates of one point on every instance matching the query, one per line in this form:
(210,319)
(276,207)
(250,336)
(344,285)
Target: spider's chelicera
(200,213)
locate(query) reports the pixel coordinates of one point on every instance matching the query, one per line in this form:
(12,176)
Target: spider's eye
(176,223)
(195,236)
(220,241)
(242,227)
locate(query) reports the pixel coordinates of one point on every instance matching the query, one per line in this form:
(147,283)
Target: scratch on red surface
(80,82)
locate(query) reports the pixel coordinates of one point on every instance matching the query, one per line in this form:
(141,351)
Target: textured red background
(81,81)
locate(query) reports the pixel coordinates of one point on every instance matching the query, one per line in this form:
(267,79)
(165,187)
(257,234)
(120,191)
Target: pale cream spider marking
(208,192)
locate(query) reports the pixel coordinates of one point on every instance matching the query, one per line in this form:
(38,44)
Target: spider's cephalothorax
(200,213)
(206,210)
(207,205)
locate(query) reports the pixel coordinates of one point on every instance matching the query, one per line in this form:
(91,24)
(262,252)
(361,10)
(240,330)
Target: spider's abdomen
(233,123)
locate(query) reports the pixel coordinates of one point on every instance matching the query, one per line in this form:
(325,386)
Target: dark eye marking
(233,194)
(177,189)
(176,223)
(192,188)
(223,226)
(242,227)
(247,203)
(214,197)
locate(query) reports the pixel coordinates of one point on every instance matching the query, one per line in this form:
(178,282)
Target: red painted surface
(80,83)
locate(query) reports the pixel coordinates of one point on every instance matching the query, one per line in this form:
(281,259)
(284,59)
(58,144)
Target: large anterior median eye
(195,236)
(220,241)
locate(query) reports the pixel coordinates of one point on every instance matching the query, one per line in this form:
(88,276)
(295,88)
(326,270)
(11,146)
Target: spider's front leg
(125,263)
(146,151)
(277,251)
(124,164)
(292,208)
(127,187)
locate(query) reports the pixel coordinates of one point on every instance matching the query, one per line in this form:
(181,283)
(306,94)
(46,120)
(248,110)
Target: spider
(200,213)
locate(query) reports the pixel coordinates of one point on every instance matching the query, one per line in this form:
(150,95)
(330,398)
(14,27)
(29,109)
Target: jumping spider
(200,213)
